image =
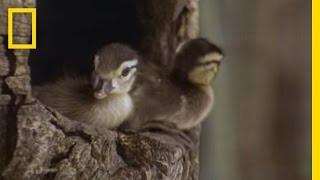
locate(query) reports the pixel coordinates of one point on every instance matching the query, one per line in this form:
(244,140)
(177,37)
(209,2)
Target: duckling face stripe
(212,57)
(127,64)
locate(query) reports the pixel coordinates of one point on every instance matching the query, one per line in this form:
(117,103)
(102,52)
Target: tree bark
(38,143)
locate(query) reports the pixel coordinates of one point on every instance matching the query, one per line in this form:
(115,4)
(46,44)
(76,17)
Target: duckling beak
(100,95)
(102,88)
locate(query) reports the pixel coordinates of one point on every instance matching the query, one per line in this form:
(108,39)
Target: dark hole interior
(69,32)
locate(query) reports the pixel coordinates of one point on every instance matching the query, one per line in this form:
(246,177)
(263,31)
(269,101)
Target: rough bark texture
(38,143)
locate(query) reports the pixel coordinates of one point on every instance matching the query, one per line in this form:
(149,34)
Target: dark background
(68,35)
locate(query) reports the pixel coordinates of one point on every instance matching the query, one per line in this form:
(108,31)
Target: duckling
(102,100)
(182,97)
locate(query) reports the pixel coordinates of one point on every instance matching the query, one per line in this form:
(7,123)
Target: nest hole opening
(69,32)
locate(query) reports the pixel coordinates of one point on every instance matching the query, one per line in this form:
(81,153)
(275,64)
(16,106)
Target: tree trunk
(38,143)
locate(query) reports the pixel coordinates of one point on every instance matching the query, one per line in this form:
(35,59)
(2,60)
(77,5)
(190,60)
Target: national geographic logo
(11,13)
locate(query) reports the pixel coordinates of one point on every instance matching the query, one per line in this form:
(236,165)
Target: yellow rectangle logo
(11,12)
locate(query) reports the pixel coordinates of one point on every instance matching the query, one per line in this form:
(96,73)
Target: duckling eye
(125,72)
